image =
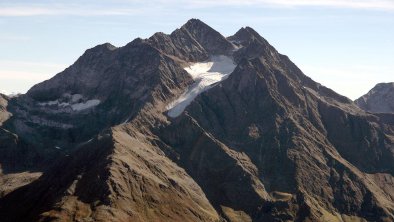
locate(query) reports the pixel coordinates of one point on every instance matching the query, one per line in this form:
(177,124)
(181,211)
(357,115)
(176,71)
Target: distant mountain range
(194,126)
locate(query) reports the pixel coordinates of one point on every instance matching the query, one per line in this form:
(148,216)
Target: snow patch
(86,105)
(49,103)
(72,101)
(127,120)
(236,44)
(76,98)
(64,104)
(205,74)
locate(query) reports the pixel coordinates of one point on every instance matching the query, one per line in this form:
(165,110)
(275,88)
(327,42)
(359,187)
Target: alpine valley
(192,126)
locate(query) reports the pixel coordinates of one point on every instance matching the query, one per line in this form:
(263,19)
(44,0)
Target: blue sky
(347,45)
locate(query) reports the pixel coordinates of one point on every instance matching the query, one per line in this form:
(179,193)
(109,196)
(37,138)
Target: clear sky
(347,45)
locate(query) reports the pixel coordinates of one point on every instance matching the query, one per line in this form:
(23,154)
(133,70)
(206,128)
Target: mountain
(192,126)
(380,99)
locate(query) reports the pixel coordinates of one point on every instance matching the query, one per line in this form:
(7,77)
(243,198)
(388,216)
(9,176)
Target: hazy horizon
(346,46)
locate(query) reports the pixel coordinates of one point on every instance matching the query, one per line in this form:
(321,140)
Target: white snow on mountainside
(205,74)
(74,101)
(88,104)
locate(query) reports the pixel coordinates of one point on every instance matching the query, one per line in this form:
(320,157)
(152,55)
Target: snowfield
(205,75)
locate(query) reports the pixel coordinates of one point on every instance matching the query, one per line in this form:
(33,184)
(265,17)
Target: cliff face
(380,99)
(263,143)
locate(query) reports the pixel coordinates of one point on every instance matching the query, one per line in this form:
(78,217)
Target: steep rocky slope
(265,143)
(380,99)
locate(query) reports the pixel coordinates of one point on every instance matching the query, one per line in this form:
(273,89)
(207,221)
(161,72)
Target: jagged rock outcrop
(380,99)
(4,114)
(265,143)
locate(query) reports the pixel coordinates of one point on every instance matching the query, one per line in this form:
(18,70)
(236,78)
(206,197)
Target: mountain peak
(210,39)
(103,47)
(97,51)
(246,34)
(379,99)
(195,25)
(194,22)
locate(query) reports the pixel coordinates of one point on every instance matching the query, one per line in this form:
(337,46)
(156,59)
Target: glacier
(205,75)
